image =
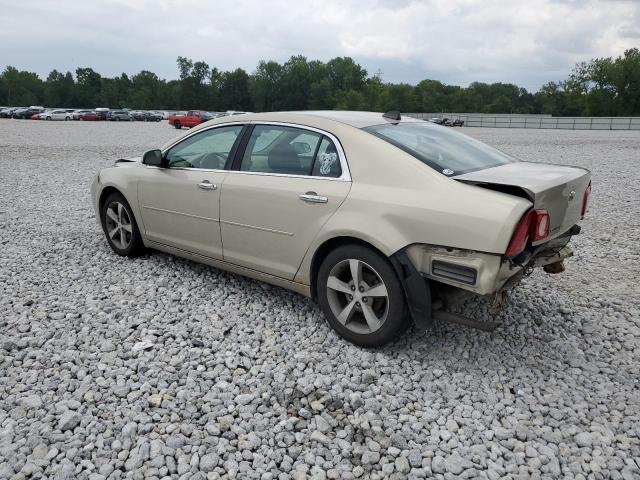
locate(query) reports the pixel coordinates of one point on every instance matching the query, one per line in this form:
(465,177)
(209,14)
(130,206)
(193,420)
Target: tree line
(599,87)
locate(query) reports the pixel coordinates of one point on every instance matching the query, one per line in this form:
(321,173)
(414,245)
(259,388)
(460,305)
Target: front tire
(361,296)
(120,227)
(177,124)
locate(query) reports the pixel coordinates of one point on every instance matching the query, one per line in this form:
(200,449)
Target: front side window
(209,149)
(442,149)
(291,151)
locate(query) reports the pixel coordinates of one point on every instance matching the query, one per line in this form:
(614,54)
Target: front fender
(125,181)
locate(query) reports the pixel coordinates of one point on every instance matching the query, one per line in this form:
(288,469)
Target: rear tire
(120,227)
(361,296)
(177,124)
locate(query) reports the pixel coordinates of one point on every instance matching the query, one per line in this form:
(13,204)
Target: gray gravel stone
(402,465)
(209,462)
(233,378)
(69,420)
(244,399)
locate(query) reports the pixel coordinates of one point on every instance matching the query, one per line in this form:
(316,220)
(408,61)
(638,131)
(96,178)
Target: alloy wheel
(118,224)
(357,296)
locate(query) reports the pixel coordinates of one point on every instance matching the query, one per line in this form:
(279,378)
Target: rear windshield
(444,150)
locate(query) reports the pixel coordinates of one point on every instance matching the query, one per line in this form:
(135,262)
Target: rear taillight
(520,236)
(585,200)
(539,225)
(535,225)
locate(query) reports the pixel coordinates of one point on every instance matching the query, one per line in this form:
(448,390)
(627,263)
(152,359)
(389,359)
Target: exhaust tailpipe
(555,267)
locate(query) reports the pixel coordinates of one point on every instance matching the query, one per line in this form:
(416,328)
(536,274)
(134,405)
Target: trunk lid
(558,189)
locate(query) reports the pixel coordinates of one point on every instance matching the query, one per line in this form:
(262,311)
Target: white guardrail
(537,121)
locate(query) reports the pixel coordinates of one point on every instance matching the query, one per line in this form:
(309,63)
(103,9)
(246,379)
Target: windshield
(444,150)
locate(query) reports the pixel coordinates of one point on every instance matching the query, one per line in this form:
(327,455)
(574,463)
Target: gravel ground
(246,380)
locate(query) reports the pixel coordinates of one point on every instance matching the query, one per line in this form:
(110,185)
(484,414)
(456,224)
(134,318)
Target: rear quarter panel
(396,201)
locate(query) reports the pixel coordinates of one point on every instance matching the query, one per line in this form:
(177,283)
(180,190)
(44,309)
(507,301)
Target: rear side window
(444,150)
(291,151)
(327,162)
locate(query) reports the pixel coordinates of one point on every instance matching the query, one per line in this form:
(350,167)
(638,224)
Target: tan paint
(394,201)
(266,226)
(176,212)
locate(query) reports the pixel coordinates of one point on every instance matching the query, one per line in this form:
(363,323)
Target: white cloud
(525,42)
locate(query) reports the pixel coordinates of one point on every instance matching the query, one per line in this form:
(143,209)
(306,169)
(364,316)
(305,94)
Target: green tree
(265,86)
(88,87)
(234,91)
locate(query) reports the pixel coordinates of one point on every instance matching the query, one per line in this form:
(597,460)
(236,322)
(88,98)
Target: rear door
(180,204)
(285,184)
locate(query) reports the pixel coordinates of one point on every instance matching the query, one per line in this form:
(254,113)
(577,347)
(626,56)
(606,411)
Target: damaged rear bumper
(483,273)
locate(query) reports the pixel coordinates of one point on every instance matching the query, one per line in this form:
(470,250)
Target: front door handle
(313,197)
(207,185)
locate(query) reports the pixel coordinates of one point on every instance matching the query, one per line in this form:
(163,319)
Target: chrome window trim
(189,169)
(344,177)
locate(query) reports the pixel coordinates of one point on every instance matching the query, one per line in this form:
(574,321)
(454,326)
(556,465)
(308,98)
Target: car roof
(329,120)
(307,117)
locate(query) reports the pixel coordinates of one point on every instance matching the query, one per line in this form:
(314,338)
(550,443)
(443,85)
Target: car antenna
(392,115)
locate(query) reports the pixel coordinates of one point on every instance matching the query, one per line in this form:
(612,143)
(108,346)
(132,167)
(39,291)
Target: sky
(528,43)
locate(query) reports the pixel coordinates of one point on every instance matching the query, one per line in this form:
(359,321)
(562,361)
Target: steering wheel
(213,161)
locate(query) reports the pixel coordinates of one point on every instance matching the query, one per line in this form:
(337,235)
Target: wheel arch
(416,289)
(108,190)
(328,246)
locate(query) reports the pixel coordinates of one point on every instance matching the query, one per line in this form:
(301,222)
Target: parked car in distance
(457,123)
(382,219)
(18,112)
(438,120)
(7,112)
(92,116)
(56,115)
(77,114)
(143,116)
(26,113)
(119,115)
(190,120)
(154,117)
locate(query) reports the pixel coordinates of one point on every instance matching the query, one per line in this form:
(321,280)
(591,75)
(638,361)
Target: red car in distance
(92,116)
(190,120)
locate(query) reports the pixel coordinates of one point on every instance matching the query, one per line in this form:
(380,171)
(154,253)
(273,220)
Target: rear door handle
(313,197)
(207,185)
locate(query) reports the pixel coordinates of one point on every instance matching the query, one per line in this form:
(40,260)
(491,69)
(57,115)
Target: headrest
(283,158)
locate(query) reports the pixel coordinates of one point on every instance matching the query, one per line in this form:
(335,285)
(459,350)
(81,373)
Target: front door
(180,204)
(285,187)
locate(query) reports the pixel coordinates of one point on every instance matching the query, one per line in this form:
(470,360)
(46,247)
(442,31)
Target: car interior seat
(283,158)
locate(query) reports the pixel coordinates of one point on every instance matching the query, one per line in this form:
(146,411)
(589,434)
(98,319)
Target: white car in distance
(57,115)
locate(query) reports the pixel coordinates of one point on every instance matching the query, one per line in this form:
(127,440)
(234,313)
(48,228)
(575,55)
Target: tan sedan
(383,220)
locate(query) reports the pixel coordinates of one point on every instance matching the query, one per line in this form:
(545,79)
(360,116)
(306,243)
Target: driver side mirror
(153,158)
